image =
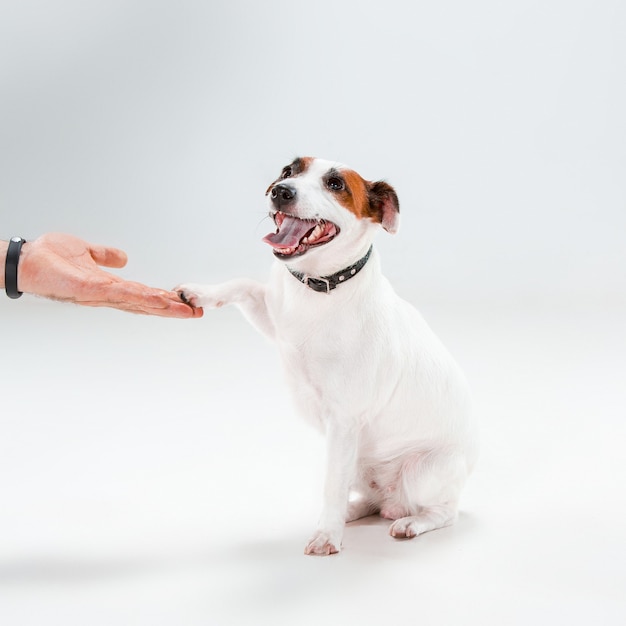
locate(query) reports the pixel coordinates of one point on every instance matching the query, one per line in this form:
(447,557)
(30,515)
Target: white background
(153,471)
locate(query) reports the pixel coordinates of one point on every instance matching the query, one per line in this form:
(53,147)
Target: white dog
(361,363)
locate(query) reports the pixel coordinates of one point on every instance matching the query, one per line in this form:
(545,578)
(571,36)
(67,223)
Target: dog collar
(326,284)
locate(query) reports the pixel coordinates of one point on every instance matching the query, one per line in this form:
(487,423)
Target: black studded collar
(325,284)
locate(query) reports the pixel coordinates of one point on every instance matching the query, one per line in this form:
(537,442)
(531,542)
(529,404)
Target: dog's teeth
(317,231)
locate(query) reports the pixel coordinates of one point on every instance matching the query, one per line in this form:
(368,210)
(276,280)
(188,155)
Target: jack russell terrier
(362,364)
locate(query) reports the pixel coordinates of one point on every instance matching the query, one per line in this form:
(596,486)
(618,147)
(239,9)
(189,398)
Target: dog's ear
(384,205)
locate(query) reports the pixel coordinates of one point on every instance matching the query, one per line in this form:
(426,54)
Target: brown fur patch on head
(354,195)
(376,201)
(298,166)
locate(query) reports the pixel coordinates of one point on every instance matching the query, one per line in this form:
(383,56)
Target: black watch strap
(10,267)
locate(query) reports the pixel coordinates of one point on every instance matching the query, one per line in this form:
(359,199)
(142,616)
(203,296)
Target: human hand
(66,268)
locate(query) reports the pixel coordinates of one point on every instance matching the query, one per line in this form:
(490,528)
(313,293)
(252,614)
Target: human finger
(180,311)
(138,298)
(107,256)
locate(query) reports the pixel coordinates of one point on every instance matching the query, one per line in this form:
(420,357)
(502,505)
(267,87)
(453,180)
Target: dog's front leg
(341,459)
(248,295)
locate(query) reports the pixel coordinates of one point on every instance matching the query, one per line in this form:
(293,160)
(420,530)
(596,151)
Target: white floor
(153,472)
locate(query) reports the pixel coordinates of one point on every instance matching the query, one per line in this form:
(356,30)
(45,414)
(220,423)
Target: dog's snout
(282,194)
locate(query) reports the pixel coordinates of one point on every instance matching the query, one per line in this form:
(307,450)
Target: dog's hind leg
(427,518)
(429,486)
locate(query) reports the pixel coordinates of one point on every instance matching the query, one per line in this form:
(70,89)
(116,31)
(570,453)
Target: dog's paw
(406,528)
(428,518)
(414,525)
(324,543)
(198,295)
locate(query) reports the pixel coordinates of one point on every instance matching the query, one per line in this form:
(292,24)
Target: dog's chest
(316,340)
(324,327)
(331,346)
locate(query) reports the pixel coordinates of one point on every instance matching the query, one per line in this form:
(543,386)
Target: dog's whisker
(266,216)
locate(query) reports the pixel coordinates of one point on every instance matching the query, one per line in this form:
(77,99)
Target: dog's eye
(335,183)
(287,172)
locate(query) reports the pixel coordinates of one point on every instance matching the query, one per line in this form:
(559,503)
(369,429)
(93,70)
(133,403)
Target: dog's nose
(282,194)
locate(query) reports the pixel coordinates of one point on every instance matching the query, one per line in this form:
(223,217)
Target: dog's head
(318,204)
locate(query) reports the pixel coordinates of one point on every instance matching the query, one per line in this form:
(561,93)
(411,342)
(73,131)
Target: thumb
(108,257)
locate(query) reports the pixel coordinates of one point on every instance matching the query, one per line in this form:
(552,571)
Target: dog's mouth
(294,236)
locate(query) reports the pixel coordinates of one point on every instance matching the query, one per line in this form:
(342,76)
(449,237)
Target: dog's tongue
(290,232)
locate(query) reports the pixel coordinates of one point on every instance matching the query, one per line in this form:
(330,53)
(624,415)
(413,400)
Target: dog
(362,364)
